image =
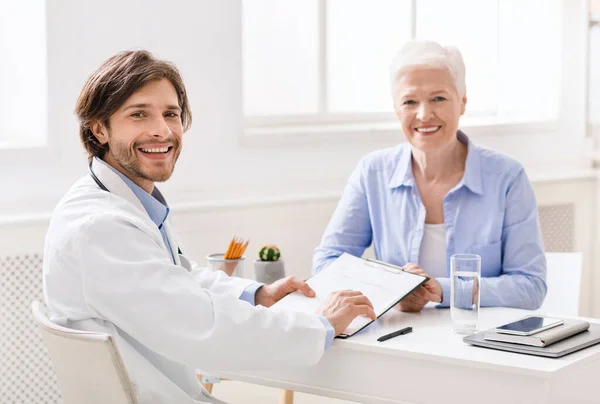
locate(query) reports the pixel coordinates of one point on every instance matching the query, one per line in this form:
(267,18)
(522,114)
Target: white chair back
(87,364)
(564,283)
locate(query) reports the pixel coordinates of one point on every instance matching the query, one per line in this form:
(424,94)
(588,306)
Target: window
(323,62)
(23,87)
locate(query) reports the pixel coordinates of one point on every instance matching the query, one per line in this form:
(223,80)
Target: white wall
(203,38)
(218,175)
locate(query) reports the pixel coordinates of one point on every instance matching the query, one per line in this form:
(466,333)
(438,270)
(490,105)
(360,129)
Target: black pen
(395,334)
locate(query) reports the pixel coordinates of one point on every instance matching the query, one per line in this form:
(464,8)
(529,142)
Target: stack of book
(570,336)
(542,338)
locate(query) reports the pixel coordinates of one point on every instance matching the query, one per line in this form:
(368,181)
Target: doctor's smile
(158,152)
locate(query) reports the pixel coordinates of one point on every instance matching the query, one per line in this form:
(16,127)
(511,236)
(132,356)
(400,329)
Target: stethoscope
(96,179)
(103,187)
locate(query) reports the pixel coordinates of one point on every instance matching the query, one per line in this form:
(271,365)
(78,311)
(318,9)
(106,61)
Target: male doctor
(112,262)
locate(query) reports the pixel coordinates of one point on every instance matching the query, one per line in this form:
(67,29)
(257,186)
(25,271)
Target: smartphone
(529,325)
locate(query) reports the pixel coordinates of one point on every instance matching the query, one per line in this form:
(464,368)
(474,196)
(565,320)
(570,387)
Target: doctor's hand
(340,308)
(268,295)
(431,291)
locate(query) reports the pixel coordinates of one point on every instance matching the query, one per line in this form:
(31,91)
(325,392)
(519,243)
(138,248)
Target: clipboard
(384,284)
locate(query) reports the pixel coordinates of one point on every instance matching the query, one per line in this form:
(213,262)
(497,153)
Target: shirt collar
(403,174)
(155,203)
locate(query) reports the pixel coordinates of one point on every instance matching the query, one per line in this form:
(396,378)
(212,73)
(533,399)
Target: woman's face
(428,106)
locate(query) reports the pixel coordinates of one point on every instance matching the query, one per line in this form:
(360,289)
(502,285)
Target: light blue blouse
(491,212)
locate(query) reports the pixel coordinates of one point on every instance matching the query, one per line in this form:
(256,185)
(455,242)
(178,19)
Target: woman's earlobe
(463,105)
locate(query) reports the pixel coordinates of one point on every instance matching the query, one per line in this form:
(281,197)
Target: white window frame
(384,127)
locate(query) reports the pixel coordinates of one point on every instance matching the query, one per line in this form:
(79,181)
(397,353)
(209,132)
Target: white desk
(433,365)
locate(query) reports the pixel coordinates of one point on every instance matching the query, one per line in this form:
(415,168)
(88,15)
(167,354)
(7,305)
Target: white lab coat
(107,269)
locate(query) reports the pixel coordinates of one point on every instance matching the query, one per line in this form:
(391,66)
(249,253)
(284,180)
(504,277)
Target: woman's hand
(431,291)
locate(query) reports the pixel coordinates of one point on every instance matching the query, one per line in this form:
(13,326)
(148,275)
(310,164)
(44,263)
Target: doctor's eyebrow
(142,106)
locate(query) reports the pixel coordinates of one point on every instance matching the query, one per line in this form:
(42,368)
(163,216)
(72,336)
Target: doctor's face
(144,134)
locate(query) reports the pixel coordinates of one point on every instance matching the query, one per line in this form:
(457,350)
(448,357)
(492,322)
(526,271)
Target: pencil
(229,250)
(244,248)
(238,249)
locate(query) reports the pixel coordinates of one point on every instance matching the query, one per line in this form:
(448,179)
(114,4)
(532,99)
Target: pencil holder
(235,267)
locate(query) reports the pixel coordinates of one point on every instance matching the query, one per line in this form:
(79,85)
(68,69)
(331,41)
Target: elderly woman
(440,194)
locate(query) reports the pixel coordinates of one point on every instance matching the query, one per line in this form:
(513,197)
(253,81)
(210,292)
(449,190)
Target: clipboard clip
(388,267)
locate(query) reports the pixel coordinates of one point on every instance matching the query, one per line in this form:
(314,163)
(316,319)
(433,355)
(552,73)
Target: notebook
(572,344)
(384,284)
(543,338)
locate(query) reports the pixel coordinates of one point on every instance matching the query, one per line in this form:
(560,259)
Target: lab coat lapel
(115,184)
(118,187)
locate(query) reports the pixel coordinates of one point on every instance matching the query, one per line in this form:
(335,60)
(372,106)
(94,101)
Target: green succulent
(269,252)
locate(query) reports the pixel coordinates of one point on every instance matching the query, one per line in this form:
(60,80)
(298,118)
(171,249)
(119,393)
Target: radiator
(26,374)
(557,223)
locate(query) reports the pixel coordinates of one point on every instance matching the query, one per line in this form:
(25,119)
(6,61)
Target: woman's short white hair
(429,54)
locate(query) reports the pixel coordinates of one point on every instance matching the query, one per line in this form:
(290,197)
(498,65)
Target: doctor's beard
(130,159)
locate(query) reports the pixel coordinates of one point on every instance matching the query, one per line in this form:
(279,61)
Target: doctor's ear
(100,131)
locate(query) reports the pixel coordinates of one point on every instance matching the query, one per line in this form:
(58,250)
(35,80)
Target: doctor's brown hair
(107,89)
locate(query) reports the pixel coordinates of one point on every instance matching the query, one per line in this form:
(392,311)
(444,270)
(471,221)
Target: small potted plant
(269,267)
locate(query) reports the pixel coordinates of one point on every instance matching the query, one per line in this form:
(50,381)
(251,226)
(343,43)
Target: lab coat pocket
(491,258)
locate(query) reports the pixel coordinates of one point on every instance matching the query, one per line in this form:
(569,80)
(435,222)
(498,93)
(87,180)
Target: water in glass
(465,292)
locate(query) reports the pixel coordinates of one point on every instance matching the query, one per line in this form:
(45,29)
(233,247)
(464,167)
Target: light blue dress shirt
(158,210)
(491,212)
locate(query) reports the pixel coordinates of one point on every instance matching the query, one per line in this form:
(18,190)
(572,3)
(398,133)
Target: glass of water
(465,271)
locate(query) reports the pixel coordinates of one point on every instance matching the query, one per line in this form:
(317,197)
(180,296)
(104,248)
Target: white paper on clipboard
(385,285)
